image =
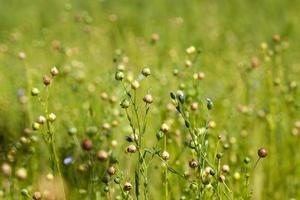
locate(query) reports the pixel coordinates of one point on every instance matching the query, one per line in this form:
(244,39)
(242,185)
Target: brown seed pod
(87,144)
(131,149)
(111,170)
(262,152)
(46,80)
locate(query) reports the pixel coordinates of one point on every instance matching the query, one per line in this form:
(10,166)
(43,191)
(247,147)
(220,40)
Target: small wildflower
(68,160)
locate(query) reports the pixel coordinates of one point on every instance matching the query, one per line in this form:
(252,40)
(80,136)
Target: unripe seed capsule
(125,104)
(146,72)
(54,71)
(164,128)
(119,76)
(131,149)
(148,99)
(35,92)
(51,117)
(135,85)
(46,80)
(127,186)
(35,126)
(41,119)
(193,163)
(165,155)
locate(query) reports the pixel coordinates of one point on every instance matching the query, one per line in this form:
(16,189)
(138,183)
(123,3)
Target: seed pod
(21,173)
(127,186)
(262,152)
(125,104)
(154,38)
(148,99)
(194,106)
(131,149)
(135,85)
(102,155)
(276,38)
(159,135)
(117,180)
(35,92)
(54,71)
(111,170)
(164,128)
(87,144)
(173,95)
(146,72)
(6,169)
(35,126)
(193,163)
(119,76)
(225,168)
(209,104)
(246,160)
(165,155)
(37,196)
(41,119)
(221,178)
(72,131)
(51,117)
(22,55)
(46,80)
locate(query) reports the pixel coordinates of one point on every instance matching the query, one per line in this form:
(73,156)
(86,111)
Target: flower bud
(164,128)
(41,119)
(51,117)
(111,170)
(165,155)
(131,149)
(102,155)
(262,152)
(37,196)
(125,104)
(46,80)
(22,55)
(127,186)
(193,163)
(209,104)
(35,126)
(21,173)
(87,144)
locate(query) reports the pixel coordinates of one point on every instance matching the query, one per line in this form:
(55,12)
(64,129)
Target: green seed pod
(117,180)
(247,160)
(51,117)
(72,131)
(35,126)
(146,72)
(173,95)
(35,92)
(125,104)
(210,104)
(119,76)
(106,189)
(159,135)
(24,192)
(219,156)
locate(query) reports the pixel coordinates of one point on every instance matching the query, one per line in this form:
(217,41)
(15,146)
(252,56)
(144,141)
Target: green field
(119,99)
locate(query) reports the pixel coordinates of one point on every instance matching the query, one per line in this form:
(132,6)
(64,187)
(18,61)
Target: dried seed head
(87,144)
(21,173)
(46,80)
(165,155)
(54,71)
(111,170)
(135,85)
(35,92)
(127,186)
(37,196)
(262,152)
(41,119)
(6,169)
(131,149)
(146,72)
(193,163)
(119,76)
(164,128)
(51,117)
(148,99)
(102,155)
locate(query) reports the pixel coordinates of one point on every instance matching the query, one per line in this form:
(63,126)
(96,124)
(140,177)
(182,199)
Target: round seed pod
(165,155)
(193,163)
(164,128)
(21,173)
(102,155)
(35,91)
(46,80)
(125,104)
(87,144)
(262,152)
(221,178)
(135,85)
(131,149)
(37,196)
(35,126)
(111,170)
(146,72)
(6,169)
(148,99)
(119,76)
(54,71)
(51,117)
(127,186)
(41,119)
